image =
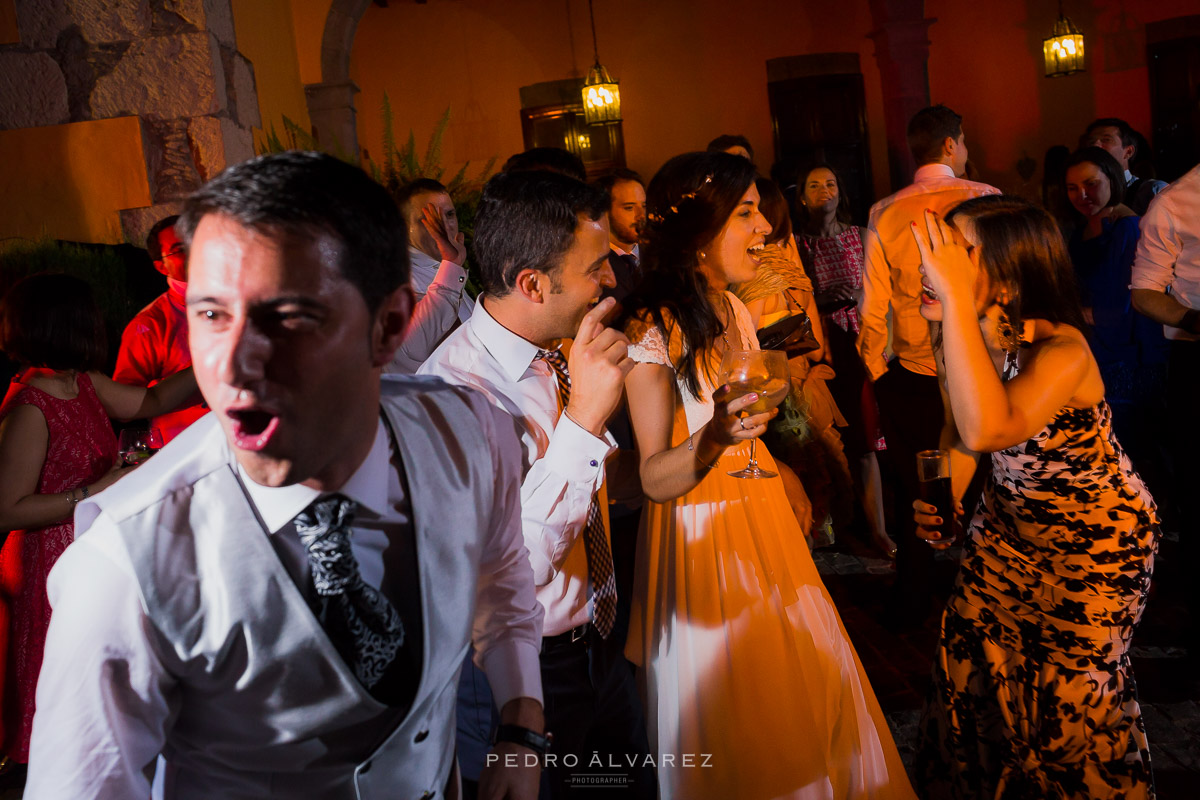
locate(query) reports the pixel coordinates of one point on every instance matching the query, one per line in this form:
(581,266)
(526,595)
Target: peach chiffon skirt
(752,688)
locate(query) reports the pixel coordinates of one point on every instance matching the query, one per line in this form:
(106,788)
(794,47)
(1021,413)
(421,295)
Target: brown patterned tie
(599,556)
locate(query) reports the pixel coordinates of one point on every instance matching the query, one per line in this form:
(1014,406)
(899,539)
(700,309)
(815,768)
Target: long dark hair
(1105,162)
(51,320)
(1021,247)
(687,204)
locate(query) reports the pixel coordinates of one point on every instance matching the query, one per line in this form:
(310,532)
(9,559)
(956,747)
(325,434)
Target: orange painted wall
(264,35)
(54,184)
(688,70)
(997,81)
(308,26)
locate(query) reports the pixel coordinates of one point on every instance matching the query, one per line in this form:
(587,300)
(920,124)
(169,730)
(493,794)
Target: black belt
(576,635)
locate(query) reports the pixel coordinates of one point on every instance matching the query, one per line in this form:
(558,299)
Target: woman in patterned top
(832,251)
(1033,694)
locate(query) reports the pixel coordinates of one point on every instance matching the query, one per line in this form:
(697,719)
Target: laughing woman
(742,653)
(1033,694)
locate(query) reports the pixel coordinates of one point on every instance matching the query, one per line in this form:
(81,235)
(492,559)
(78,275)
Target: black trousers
(911,415)
(1183,399)
(593,709)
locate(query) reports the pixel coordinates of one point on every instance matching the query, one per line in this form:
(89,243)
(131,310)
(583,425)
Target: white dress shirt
(891,260)
(1168,252)
(563,463)
(122,698)
(441,304)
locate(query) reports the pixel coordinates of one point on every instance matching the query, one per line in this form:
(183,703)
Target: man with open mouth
(280,604)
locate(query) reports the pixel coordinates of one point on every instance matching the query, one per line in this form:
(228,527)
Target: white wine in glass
(761,371)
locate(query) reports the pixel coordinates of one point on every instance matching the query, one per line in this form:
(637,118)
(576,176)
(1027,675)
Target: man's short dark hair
(152,245)
(618,175)
(527,220)
(414,188)
(728,140)
(552,159)
(1129,137)
(929,129)
(305,193)
(50,320)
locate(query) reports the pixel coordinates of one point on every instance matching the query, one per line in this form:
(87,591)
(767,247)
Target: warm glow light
(1063,49)
(601,97)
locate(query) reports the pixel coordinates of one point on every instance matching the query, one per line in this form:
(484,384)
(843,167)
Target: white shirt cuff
(576,454)
(513,670)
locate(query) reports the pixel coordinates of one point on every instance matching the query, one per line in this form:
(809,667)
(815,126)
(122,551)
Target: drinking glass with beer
(933,483)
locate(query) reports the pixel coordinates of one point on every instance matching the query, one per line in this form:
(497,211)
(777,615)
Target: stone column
(334,120)
(172,64)
(901,39)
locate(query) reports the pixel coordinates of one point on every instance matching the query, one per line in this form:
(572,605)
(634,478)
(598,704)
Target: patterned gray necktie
(371,630)
(595,543)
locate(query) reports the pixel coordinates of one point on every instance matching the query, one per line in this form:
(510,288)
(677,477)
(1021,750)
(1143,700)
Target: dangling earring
(1006,332)
(702,255)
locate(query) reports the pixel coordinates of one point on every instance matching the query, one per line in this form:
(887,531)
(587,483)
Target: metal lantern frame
(601,94)
(1063,50)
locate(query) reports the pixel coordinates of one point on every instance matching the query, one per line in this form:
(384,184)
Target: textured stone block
(215,16)
(243,96)
(216,143)
(137,222)
(41,21)
(33,91)
(164,77)
(170,160)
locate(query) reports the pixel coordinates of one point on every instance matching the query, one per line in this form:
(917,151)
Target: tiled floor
(898,661)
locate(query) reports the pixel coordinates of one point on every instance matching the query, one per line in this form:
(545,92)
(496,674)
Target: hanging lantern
(601,94)
(1063,49)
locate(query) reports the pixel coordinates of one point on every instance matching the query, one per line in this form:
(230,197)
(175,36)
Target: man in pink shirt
(906,386)
(155,343)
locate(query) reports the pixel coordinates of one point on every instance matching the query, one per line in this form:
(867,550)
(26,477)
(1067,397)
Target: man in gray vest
(279,603)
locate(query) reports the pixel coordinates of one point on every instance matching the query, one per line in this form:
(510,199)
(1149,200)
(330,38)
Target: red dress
(80,450)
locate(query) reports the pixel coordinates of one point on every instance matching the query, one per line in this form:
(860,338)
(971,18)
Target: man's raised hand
(598,364)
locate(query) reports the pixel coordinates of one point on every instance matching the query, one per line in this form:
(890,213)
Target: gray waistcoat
(264,706)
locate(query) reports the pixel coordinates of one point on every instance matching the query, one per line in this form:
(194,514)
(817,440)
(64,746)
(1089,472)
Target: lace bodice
(650,344)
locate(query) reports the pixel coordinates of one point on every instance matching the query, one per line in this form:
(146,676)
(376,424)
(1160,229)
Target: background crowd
(681,608)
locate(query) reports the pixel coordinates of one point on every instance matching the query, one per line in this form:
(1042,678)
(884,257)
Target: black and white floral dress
(1033,694)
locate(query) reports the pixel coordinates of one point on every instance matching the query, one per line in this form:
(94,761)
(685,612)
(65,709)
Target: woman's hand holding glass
(929,523)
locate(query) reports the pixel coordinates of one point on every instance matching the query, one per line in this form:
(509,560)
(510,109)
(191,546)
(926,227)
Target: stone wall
(173,64)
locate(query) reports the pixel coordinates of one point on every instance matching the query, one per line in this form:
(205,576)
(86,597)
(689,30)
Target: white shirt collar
(926,171)
(1128,177)
(367,486)
(513,353)
(635,252)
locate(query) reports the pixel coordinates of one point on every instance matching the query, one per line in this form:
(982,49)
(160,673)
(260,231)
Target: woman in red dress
(56,448)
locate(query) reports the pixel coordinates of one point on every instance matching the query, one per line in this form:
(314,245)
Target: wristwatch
(525,737)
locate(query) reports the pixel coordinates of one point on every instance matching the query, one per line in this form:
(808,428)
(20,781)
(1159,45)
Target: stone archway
(331,102)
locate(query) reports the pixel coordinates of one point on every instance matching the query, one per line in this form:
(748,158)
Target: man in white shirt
(1119,139)
(436,254)
(906,387)
(542,242)
(280,602)
(1166,288)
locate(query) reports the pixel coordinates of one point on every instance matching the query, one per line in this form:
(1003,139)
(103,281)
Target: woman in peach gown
(752,687)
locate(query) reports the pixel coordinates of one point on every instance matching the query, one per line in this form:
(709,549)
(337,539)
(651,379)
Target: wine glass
(761,371)
(135,445)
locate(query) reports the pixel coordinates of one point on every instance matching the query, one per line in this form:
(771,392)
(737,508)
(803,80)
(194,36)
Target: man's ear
(532,284)
(1129,151)
(390,324)
(949,146)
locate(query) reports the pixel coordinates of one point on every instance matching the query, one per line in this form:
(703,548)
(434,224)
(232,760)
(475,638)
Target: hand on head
(451,250)
(946,265)
(598,363)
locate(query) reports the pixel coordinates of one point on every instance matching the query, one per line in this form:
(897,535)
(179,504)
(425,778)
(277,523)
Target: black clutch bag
(794,335)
